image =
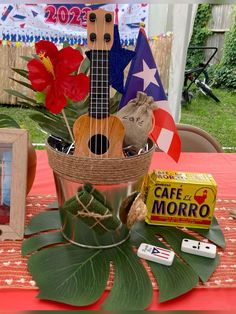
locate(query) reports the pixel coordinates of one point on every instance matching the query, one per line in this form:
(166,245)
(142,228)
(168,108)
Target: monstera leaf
(78,276)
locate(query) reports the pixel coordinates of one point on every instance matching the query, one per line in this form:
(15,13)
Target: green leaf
(85,66)
(53,130)
(44,221)
(132,288)
(22,83)
(70,274)
(44,112)
(38,117)
(214,234)
(66,44)
(39,241)
(26,58)
(8,122)
(25,104)
(53,125)
(20,95)
(21,72)
(40,97)
(114,103)
(203,266)
(173,280)
(80,49)
(79,105)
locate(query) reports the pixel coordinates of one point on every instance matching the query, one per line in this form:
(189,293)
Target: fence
(219,25)
(11,58)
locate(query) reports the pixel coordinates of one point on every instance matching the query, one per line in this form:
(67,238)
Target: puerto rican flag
(143,76)
(162,253)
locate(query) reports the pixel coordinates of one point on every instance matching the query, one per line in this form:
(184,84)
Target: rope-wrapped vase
(115,178)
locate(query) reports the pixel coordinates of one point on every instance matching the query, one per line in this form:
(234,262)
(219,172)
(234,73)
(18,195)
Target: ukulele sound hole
(98,144)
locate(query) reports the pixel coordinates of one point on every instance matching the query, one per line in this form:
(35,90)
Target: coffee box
(175,198)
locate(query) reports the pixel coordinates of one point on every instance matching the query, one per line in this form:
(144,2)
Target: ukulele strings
(96,94)
(93,96)
(103,92)
(107,92)
(104,87)
(91,100)
(107,98)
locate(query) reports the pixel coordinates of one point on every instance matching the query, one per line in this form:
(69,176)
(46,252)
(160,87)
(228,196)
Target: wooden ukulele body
(98,137)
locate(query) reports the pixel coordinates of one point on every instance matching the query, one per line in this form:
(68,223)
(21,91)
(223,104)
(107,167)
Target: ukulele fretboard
(99,84)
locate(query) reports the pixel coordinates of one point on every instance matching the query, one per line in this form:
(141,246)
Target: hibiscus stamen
(47,63)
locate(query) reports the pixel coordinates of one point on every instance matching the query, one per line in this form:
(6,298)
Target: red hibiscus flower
(51,72)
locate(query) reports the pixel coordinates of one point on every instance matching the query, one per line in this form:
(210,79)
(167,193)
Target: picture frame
(13,180)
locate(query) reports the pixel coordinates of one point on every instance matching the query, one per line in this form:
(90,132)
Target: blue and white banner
(28,23)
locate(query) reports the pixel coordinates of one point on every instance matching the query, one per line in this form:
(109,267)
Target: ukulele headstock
(100,29)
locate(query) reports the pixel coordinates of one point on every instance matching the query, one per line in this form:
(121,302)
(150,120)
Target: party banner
(28,23)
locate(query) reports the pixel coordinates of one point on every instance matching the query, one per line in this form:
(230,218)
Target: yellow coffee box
(175,198)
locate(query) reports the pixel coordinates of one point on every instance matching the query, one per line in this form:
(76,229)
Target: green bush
(200,35)
(225,74)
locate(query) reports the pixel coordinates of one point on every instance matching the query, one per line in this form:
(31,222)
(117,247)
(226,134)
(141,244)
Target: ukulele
(97,134)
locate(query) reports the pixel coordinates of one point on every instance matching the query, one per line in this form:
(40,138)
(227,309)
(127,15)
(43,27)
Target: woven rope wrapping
(100,170)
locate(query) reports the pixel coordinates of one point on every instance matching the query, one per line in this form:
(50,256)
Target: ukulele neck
(99,84)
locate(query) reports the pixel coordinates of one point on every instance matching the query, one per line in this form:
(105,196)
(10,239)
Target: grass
(219,119)
(22,116)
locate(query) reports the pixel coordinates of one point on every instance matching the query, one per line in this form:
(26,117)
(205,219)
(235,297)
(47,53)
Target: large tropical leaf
(132,289)
(70,274)
(38,241)
(44,221)
(67,273)
(174,237)
(214,234)
(176,282)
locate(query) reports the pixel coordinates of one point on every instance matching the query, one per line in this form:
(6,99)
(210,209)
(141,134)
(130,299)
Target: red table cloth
(221,166)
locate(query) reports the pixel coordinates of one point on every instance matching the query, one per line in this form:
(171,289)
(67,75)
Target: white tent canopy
(179,19)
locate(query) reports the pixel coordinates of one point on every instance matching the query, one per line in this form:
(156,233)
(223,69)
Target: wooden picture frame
(14,145)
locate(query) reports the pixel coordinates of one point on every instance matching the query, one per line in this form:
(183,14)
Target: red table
(221,166)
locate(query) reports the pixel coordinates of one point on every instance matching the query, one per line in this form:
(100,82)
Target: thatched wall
(161,50)
(11,58)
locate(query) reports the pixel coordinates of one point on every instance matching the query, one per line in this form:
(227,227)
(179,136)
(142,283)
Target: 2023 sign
(67,15)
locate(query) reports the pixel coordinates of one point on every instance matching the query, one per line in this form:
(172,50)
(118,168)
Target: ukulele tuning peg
(107,37)
(92,17)
(108,17)
(93,36)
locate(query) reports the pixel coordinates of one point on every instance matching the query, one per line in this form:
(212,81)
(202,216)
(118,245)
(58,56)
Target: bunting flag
(60,22)
(143,76)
